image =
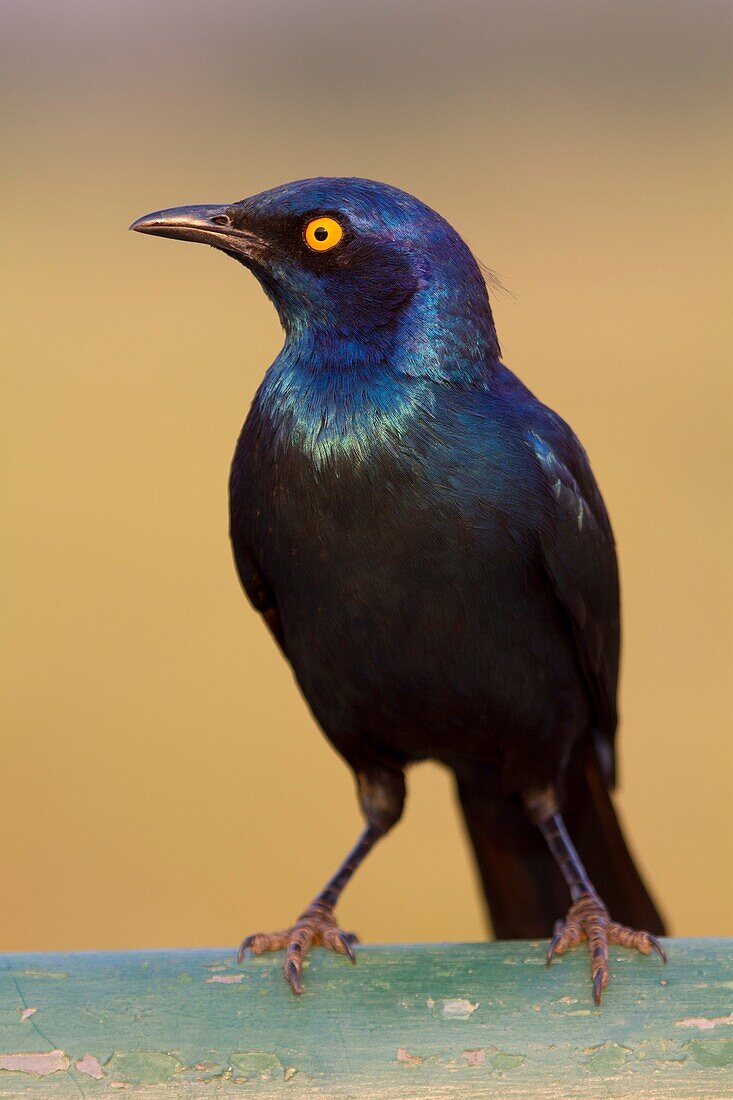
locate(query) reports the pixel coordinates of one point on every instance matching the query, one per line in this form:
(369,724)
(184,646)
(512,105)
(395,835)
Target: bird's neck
(333,395)
(334,401)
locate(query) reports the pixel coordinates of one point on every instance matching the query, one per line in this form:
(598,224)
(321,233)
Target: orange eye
(322,234)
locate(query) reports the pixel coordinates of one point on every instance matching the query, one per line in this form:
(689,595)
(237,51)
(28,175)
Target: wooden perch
(441,1021)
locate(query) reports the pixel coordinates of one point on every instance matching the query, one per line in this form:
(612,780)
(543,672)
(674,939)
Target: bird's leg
(588,918)
(382,795)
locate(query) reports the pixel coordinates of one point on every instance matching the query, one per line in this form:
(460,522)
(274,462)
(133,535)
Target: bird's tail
(524,889)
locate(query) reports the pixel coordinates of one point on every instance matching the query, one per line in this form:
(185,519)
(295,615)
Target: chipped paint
(407,1059)
(255,1065)
(142,1067)
(662,1050)
(503,1061)
(608,1057)
(456,1008)
(90,1066)
(27,1013)
(226,979)
(534,1032)
(711,1052)
(38,1064)
(705,1023)
(201,1071)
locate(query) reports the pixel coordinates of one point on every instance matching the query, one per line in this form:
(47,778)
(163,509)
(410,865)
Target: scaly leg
(588,918)
(382,795)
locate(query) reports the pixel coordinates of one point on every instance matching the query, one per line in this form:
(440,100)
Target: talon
(555,941)
(292,975)
(315,927)
(598,987)
(588,920)
(346,939)
(245,945)
(658,948)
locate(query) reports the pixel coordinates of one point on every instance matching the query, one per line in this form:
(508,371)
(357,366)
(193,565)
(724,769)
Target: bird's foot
(316,927)
(588,919)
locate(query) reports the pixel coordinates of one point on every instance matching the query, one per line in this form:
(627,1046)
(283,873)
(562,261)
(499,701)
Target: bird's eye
(322,234)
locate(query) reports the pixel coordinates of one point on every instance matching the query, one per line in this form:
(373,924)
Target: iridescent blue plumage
(365,341)
(426,541)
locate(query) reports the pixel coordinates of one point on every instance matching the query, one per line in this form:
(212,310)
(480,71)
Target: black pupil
(320,234)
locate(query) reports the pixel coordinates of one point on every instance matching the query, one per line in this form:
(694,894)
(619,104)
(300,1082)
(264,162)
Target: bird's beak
(202,224)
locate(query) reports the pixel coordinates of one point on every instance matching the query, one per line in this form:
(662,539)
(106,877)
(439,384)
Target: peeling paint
(254,1065)
(90,1066)
(142,1067)
(27,1012)
(608,1057)
(201,1071)
(662,1050)
(503,1061)
(678,1043)
(711,1052)
(705,1023)
(40,1064)
(457,1008)
(404,1056)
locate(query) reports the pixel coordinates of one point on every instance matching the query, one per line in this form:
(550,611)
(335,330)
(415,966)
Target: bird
(426,541)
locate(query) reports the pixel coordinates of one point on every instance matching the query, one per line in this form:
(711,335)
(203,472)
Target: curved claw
(315,927)
(598,986)
(347,939)
(292,975)
(245,946)
(658,948)
(553,947)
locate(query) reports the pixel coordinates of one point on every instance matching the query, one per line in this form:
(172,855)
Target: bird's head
(351,259)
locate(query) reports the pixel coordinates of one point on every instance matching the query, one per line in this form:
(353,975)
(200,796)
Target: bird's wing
(579,555)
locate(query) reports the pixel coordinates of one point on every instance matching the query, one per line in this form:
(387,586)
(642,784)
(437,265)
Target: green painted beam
(440,1021)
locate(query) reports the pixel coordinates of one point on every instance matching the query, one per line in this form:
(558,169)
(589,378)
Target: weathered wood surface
(438,1021)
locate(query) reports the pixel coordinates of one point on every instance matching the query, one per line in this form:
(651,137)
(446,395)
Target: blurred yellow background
(164,783)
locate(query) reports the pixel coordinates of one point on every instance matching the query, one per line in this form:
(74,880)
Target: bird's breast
(398,586)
